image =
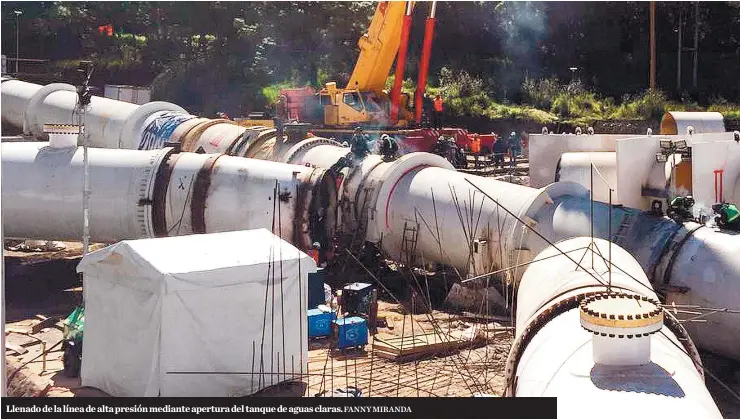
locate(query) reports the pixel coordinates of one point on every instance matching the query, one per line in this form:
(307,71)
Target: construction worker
(679,208)
(359,144)
(440,146)
(439,104)
(728,216)
(657,208)
(515,145)
(315,252)
(500,149)
(388,147)
(475,148)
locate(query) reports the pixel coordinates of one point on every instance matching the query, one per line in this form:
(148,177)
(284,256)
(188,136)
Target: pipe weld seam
(200,193)
(159,193)
(359,213)
(672,251)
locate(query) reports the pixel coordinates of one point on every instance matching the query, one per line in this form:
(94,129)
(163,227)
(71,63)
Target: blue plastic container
(319,323)
(350,332)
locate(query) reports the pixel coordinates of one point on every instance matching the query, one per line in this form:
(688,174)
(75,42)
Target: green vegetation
(271,93)
(548,100)
(491,60)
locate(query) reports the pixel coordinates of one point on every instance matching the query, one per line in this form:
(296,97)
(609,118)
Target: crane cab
(350,107)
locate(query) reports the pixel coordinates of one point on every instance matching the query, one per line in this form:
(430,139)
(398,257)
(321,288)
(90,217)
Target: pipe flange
(61,129)
(621,315)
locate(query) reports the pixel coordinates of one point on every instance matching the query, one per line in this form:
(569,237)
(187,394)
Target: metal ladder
(621,235)
(408,244)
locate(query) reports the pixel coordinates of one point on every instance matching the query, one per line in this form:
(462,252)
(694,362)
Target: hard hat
(316,245)
(513,134)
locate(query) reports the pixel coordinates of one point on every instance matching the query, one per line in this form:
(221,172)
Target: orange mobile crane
(335,111)
(364,101)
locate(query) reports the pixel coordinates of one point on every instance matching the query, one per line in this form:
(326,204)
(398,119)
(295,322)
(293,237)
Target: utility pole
(694,50)
(18,13)
(680,50)
(652,45)
(84,70)
(696,44)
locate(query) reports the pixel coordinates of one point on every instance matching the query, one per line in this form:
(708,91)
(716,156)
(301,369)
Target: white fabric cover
(195,304)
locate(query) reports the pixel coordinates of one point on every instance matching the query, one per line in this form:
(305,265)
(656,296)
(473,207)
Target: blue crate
(319,322)
(350,332)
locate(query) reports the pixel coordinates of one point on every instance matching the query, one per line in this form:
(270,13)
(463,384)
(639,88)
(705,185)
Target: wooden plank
(19,330)
(15,348)
(43,324)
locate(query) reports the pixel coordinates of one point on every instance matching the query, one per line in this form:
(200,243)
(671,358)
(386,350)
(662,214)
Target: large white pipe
(110,123)
(576,167)
(378,200)
(555,356)
(157,193)
(677,123)
(458,226)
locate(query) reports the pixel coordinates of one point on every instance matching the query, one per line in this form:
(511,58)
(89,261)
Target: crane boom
(378,47)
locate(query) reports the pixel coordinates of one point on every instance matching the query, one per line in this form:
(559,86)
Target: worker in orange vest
(439,105)
(475,148)
(315,252)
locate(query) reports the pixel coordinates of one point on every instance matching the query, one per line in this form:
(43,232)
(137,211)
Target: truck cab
(349,107)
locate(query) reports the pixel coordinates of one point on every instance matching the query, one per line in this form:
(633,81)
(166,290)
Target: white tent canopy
(207,303)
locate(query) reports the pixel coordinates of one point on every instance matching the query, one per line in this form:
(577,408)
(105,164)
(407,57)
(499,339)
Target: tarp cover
(204,303)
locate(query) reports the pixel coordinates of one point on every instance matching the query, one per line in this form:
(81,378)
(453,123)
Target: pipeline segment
(455,221)
(110,123)
(386,202)
(156,193)
(585,346)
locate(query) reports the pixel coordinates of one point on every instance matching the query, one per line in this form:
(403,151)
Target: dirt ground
(45,285)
